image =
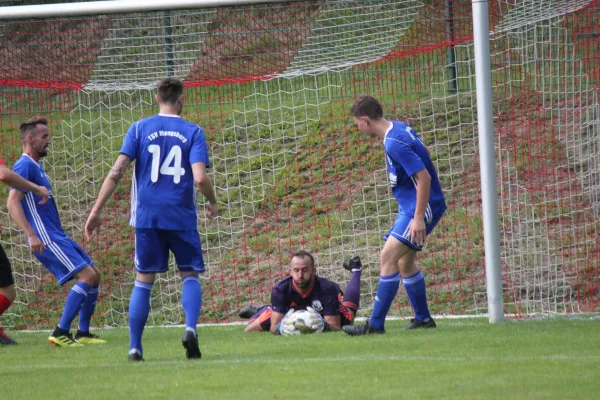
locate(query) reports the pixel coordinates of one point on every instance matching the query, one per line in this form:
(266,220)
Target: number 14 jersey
(164,148)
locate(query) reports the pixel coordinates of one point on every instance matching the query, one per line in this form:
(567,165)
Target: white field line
(310,360)
(457,320)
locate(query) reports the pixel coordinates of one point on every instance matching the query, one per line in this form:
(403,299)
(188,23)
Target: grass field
(546,359)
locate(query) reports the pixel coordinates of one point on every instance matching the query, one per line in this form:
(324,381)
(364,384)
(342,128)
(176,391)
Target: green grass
(463,359)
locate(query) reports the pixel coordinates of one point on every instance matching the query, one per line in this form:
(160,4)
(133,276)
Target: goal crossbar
(117,7)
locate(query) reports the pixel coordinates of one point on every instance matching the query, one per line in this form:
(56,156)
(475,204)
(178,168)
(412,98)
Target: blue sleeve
(27,171)
(331,303)
(403,154)
(278,301)
(130,144)
(199,150)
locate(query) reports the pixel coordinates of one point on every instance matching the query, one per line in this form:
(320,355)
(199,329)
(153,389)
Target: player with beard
(7,281)
(303,289)
(48,241)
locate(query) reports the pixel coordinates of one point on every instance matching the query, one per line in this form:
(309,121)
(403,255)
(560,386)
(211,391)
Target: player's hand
(286,326)
(35,244)
(313,323)
(212,210)
(352,263)
(42,192)
(93,222)
(417,232)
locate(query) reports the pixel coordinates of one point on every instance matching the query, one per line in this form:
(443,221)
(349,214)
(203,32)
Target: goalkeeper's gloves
(313,323)
(286,326)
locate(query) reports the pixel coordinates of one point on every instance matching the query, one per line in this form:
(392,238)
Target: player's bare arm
(15,180)
(204,185)
(119,169)
(275,320)
(15,209)
(417,228)
(108,188)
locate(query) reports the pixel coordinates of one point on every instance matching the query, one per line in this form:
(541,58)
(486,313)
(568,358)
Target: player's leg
(351,299)
(414,283)
(187,250)
(65,263)
(83,334)
(88,307)
(151,257)
(248,311)
(261,320)
(191,301)
(139,309)
(86,278)
(389,280)
(7,293)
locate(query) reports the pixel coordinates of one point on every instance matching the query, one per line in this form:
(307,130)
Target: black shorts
(6,276)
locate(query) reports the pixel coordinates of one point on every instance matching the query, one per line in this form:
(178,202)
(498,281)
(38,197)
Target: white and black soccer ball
(307,322)
(301,320)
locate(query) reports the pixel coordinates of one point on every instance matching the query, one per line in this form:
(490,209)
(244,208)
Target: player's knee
(406,264)
(388,257)
(9,292)
(145,277)
(185,274)
(407,267)
(98,275)
(89,276)
(254,326)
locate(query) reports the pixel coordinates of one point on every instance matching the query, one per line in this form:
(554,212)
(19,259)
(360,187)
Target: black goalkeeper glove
(353,263)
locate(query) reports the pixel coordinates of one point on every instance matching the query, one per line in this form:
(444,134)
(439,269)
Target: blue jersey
(43,218)
(405,156)
(162,193)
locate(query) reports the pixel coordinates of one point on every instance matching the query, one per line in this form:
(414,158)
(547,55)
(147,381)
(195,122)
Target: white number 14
(174,157)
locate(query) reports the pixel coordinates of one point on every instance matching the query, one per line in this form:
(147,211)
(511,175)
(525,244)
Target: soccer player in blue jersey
(7,282)
(171,160)
(48,241)
(421,204)
(304,290)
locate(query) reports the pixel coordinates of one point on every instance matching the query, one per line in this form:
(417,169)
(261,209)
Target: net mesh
(272,86)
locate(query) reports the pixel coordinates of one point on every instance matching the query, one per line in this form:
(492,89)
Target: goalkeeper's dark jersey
(324,297)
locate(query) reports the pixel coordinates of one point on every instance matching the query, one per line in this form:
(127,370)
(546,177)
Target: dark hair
(302,254)
(30,125)
(367,106)
(169,90)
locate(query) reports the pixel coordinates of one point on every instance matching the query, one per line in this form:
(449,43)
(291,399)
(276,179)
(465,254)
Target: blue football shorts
(64,259)
(152,250)
(401,229)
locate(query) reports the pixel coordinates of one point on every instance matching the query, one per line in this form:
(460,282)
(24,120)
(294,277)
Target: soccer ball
(301,320)
(307,322)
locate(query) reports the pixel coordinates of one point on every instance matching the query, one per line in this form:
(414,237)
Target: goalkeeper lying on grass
(305,302)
